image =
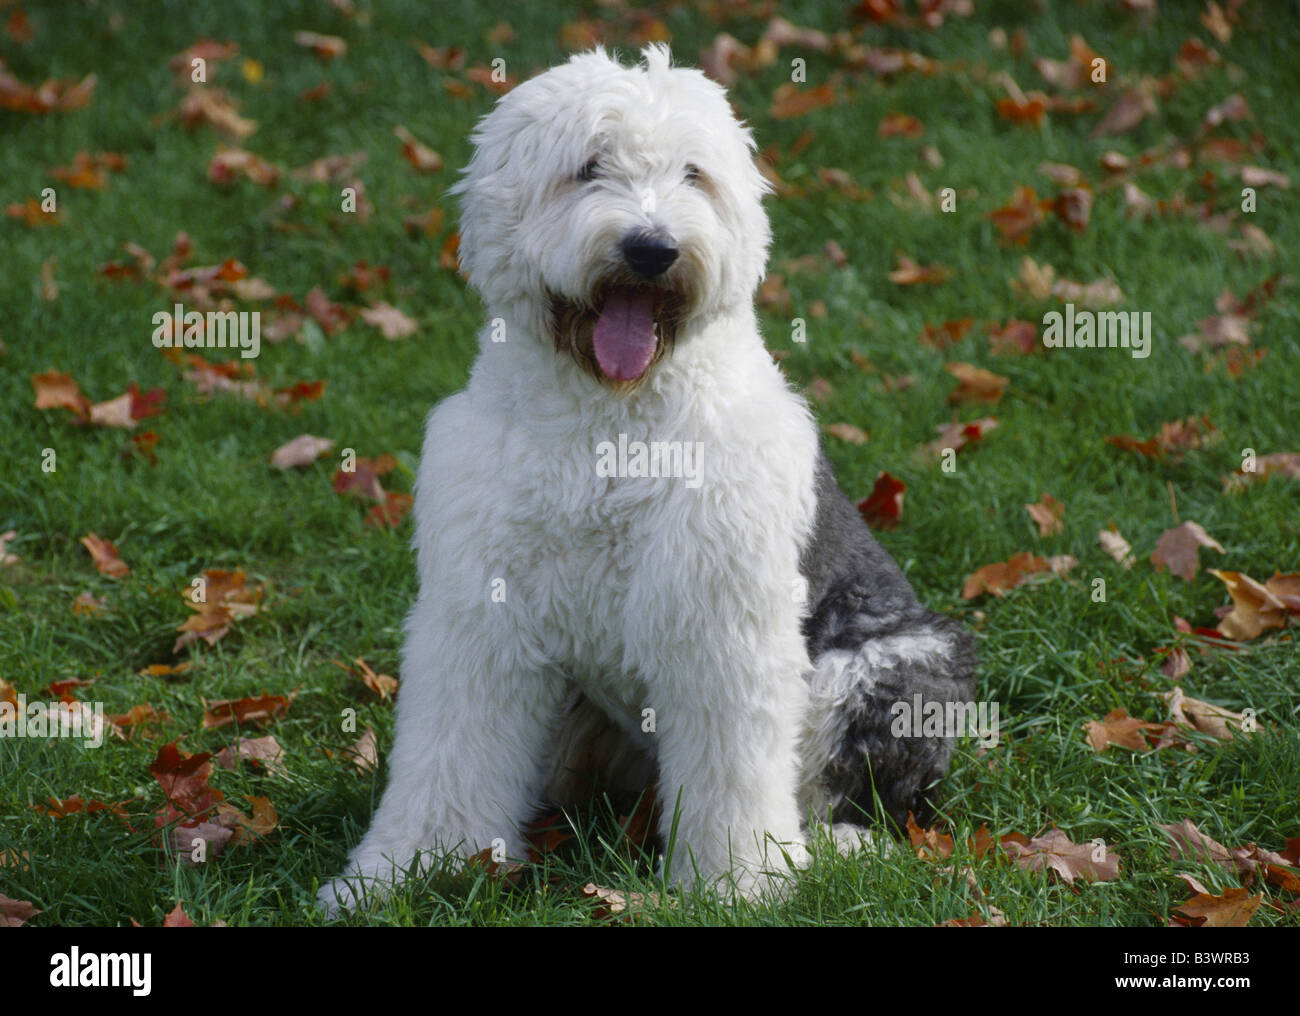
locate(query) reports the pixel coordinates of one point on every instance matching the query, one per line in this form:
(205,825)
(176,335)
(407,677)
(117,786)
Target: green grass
(337,589)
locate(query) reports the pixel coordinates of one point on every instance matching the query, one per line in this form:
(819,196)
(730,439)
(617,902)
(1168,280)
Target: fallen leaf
(1233,909)
(1118,728)
(58,391)
(899,125)
(1205,717)
(177,918)
(958,435)
(949,333)
(301,451)
(105,556)
(245,711)
(1017,219)
(1002,577)
(976,384)
(1116,546)
(1048,513)
(790,101)
(908,273)
(260,751)
(16,913)
(883,507)
(1054,850)
(1257,607)
(326,47)
(847,432)
(389,320)
(363,480)
(421,156)
(1177,549)
(615,903)
(1172,440)
(365,753)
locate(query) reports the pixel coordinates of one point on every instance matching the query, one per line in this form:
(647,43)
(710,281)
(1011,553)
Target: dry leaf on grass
(1003,576)
(1257,607)
(105,556)
(1118,728)
(1116,546)
(1053,850)
(1177,549)
(16,913)
(883,507)
(253,709)
(976,384)
(301,451)
(1049,514)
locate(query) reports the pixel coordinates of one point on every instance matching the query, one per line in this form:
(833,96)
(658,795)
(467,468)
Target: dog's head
(614,208)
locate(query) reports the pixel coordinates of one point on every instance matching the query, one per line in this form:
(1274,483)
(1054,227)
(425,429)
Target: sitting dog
(633,554)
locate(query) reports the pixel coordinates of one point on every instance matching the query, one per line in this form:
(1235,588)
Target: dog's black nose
(649,254)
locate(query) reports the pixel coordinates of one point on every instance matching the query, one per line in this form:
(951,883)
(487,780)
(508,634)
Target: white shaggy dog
(633,557)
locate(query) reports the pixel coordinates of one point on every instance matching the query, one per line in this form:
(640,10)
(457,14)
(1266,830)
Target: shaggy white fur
(673,611)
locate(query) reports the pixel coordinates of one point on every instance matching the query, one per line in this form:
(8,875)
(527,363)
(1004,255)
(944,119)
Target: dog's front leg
(473,723)
(726,736)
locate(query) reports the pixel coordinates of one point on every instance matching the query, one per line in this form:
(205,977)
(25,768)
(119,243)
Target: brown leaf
(301,451)
(391,512)
(365,753)
(1015,338)
(1116,546)
(929,844)
(1127,112)
(958,435)
(615,903)
(1004,576)
(422,157)
(184,780)
(1173,438)
(1048,513)
(1230,110)
(899,125)
(245,711)
(949,333)
(1054,850)
(1256,607)
(363,481)
(177,918)
(58,391)
(105,556)
(909,273)
(1177,549)
(381,684)
(976,384)
(883,507)
(1118,728)
(847,432)
(326,47)
(229,164)
(262,751)
(1233,909)
(1209,719)
(16,913)
(1017,219)
(7,558)
(790,101)
(389,320)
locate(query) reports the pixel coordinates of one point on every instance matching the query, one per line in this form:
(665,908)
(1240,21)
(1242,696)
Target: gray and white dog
(635,562)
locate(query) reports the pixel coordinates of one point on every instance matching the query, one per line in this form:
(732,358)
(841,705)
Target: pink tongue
(624,336)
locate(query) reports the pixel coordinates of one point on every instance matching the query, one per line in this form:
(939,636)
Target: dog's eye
(590,171)
(693,173)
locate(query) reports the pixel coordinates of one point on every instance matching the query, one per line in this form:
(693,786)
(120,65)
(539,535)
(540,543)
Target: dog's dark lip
(572,321)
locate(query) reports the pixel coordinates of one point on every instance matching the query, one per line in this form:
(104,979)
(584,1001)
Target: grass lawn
(1053,656)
